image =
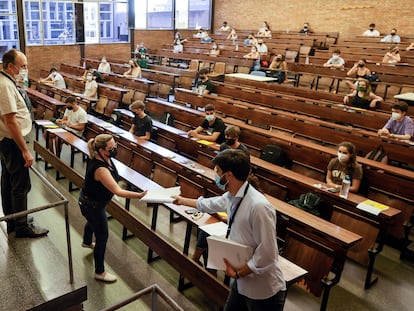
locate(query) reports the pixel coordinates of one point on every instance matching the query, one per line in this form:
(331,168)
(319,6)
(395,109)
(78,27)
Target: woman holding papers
(259,283)
(98,189)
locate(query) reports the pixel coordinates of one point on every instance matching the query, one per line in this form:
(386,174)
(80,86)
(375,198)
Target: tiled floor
(24,262)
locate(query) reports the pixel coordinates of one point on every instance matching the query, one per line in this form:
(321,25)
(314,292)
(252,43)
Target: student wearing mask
(204,85)
(261,47)
(215,51)
(54,78)
(392,37)
(100,185)
(400,125)
(104,66)
(278,68)
(232,134)
(359,70)
(141,123)
(91,87)
(393,56)
(344,164)
(212,126)
(371,32)
(336,61)
(225,27)
(306,29)
(95,73)
(363,97)
(134,71)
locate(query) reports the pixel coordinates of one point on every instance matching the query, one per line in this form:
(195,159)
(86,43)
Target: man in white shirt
(261,47)
(259,283)
(392,37)
(371,32)
(54,78)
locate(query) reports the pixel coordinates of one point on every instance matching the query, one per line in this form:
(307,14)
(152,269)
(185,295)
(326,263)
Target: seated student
(91,87)
(336,61)
(178,43)
(212,126)
(232,35)
(344,164)
(215,51)
(278,68)
(204,85)
(261,47)
(95,73)
(371,32)
(392,37)
(134,71)
(363,97)
(225,27)
(359,70)
(254,54)
(104,66)
(141,123)
(232,134)
(54,78)
(74,120)
(306,29)
(250,40)
(264,31)
(205,37)
(141,49)
(400,125)
(141,61)
(392,56)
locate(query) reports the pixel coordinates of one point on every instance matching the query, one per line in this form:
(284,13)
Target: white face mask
(343,157)
(104,61)
(395,115)
(89,78)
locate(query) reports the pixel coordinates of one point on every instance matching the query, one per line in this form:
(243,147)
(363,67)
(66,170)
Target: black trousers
(15,182)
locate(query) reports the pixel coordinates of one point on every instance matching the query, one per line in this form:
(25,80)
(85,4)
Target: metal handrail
(63,201)
(155,290)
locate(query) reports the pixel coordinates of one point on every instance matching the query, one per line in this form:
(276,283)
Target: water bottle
(346,183)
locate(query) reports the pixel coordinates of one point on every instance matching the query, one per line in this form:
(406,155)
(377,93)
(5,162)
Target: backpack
(274,154)
(167,118)
(308,202)
(378,154)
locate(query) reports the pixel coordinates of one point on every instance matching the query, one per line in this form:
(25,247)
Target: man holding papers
(259,283)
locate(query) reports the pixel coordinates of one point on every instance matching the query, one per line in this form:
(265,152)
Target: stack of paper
(218,248)
(163,195)
(372,207)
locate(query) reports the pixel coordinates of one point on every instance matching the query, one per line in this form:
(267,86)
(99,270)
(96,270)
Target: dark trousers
(15,182)
(238,302)
(97,223)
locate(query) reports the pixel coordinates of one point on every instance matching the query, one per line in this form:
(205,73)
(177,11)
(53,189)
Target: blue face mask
(219,182)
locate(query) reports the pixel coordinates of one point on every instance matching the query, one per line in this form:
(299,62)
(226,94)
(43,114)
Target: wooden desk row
(172,160)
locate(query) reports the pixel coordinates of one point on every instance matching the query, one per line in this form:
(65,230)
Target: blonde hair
(99,142)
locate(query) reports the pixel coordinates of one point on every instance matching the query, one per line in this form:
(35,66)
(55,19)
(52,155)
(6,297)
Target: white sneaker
(106,277)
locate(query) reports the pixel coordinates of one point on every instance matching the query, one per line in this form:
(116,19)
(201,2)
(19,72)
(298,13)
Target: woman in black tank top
(363,97)
(99,187)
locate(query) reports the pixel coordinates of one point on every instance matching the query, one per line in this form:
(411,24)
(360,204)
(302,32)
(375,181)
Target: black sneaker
(31,231)
(11,224)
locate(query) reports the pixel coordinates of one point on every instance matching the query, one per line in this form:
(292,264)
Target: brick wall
(348,17)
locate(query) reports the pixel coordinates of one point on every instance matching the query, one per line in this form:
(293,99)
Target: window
(53,22)
(158,14)
(8,26)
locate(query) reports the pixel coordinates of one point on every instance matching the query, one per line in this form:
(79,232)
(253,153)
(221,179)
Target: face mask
(396,115)
(392,33)
(371,29)
(343,157)
(360,65)
(104,61)
(210,117)
(89,78)
(113,152)
(260,43)
(69,108)
(361,88)
(230,141)
(53,75)
(221,182)
(278,59)
(335,56)
(305,27)
(214,47)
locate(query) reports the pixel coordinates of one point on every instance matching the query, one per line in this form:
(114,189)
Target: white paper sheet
(161,195)
(218,248)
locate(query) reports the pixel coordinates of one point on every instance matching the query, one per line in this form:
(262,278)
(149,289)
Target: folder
(163,195)
(219,247)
